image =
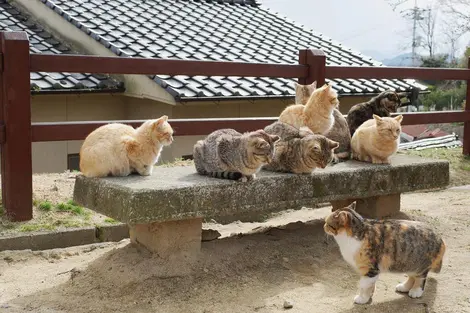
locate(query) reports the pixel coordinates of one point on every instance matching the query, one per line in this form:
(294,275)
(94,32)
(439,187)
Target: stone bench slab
(175,193)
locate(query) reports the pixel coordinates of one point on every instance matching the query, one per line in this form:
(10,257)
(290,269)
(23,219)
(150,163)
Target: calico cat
(372,247)
(299,151)
(377,139)
(316,114)
(339,131)
(227,154)
(118,149)
(382,105)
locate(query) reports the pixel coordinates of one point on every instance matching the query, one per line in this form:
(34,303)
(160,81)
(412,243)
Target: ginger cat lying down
(377,139)
(118,149)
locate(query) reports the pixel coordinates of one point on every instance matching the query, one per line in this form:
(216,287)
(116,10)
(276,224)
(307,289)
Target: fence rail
(17,132)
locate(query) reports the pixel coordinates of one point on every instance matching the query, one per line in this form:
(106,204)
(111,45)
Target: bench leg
(379,207)
(181,238)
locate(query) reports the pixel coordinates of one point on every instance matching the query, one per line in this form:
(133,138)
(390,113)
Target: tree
(459,10)
(452,32)
(427,26)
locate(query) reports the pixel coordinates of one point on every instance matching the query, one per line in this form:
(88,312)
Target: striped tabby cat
(372,247)
(228,154)
(299,151)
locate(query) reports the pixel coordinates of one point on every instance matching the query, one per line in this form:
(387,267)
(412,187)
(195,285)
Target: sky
(370,26)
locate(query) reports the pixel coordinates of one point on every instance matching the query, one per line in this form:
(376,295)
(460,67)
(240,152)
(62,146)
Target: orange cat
(118,149)
(377,139)
(316,114)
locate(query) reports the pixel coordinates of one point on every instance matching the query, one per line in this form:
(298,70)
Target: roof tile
(231,30)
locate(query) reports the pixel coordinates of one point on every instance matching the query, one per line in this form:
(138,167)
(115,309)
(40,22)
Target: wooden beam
(146,66)
(17,186)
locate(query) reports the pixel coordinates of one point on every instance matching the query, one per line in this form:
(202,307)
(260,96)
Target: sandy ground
(254,272)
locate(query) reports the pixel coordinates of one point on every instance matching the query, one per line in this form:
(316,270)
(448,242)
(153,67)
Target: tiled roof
(42,42)
(231,30)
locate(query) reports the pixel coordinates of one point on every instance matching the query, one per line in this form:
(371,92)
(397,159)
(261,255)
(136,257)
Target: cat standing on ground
(118,149)
(299,151)
(377,139)
(339,131)
(316,114)
(382,105)
(372,247)
(228,154)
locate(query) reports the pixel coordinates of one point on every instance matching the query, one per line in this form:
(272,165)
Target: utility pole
(414,43)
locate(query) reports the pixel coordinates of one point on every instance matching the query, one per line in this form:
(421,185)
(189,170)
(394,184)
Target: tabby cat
(118,149)
(372,247)
(382,105)
(228,154)
(377,139)
(299,151)
(340,130)
(316,114)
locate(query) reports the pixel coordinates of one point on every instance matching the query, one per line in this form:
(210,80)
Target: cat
(119,150)
(339,132)
(382,105)
(316,114)
(372,247)
(377,139)
(299,151)
(228,154)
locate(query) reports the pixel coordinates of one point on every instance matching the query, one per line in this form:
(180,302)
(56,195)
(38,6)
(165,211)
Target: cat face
(162,130)
(261,146)
(389,127)
(342,220)
(319,150)
(303,92)
(390,100)
(326,95)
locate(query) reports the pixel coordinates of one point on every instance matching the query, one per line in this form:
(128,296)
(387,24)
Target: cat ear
(399,118)
(352,206)
(377,118)
(296,86)
(333,144)
(160,121)
(312,86)
(274,138)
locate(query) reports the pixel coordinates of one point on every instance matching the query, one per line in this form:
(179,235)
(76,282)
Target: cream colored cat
(118,149)
(377,139)
(316,114)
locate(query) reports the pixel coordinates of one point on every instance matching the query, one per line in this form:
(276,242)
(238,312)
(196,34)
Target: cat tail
(436,264)
(226,175)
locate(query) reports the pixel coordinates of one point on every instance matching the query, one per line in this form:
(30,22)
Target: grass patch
(70,206)
(110,221)
(45,206)
(459,164)
(35,227)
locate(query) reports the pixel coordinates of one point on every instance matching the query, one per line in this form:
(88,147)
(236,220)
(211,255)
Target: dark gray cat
(228,154)
(299,151)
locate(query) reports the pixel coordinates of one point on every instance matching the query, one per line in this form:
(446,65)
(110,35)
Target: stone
(175,193)
(288,304)
(180,238)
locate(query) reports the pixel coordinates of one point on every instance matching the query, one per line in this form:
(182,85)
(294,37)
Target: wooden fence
(17,132)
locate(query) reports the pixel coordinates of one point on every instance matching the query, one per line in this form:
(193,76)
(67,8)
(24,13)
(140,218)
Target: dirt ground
(253,272)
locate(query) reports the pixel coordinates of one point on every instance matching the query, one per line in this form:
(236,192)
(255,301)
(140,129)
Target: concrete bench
(165,211)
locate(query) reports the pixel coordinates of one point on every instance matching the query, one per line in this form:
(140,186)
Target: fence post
(17,185)
(466,125)
(316,61)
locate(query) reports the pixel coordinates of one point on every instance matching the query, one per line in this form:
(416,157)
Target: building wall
(52,156)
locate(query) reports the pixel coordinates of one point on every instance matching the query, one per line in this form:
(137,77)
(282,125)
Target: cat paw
(361,299)
(251,177)
(402,288)
(415,292)
(243,179)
